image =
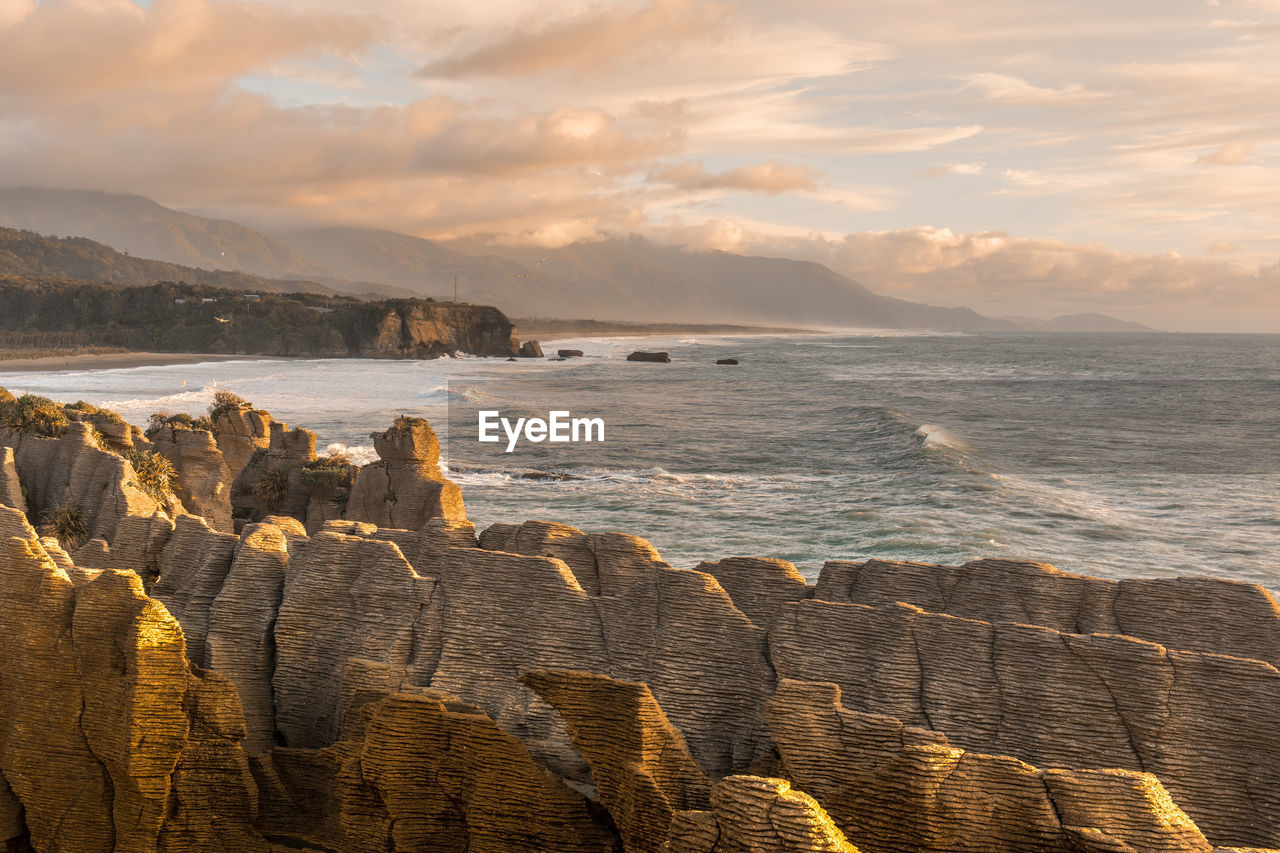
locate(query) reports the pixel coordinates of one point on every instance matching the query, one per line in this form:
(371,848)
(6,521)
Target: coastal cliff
(38,313)
(314,681)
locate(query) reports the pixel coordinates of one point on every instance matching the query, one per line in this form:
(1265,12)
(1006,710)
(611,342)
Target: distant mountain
(612,279)
(633,278)
(1087,322)
(1093,322)
(139,226)
(29,255)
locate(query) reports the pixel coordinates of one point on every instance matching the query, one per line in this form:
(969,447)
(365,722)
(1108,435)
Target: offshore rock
(530,349)
(10,486)
(1194,614)
(204,480)
(893,787)
(641,355)
(570,353)
(639,761)
(404,489)
(751,814)
(435,774)
(1058,700)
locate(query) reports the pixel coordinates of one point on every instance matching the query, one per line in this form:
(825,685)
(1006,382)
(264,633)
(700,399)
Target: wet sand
(112,361)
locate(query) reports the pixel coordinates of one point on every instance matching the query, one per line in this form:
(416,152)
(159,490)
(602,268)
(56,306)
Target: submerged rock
(640,355)
(570,353)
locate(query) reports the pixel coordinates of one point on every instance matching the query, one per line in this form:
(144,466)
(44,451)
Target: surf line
(559,426)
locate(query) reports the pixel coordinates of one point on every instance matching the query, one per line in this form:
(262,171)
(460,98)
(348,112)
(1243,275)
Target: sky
(1015,156)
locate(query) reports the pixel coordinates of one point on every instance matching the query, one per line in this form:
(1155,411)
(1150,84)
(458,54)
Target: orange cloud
(606,37)
(772,178)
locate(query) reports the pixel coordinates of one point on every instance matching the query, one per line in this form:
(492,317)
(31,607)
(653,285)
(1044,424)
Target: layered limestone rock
(759,586)
(10,486)
(751,814)
(435,774)
(893,787)
(676,630)
(203,481)
(73,471)
(271,482)
(1194,614)
(108,739)
(354,625)
(137,546)
(1058,700)
(639,761)
(241,432)
(193,568)
(404,488)
(241,625)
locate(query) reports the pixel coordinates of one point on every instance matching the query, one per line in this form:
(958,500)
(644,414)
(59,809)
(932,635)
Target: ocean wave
(359,454)
(934,437)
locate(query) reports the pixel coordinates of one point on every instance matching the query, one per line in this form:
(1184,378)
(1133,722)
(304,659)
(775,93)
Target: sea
(1114,455)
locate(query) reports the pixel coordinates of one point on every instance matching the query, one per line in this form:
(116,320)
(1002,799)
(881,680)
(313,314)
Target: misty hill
(1087,322)
(613,279)
(25,253)
(37,313)
(624,279)
(140,226)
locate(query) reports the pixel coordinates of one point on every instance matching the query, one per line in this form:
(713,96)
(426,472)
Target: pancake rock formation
(370,676)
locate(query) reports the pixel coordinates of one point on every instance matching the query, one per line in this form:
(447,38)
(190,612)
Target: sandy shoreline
(113,361)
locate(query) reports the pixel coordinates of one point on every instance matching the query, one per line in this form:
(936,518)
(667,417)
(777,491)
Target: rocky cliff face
(415,329)
(363,687)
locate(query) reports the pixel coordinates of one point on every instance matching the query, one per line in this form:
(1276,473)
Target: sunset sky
(1015,156)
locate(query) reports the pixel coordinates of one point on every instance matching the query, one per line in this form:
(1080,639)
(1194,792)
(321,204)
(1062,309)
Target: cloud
(952,169)
(601,38)
(76,51)
(998,273)
(771,178)
(1008,89)
(1231,154)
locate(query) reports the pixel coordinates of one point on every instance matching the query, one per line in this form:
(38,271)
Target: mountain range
(616,278)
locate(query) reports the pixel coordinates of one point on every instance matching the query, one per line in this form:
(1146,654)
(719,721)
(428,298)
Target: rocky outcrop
(1058,700)
(641,355)
(727,361)
(639,761)
(569,353)
(759,586)
(893,787)
(10,486)
(271,482)
(404,489)
(354,625)
(241,624)
(1194,614)
(241,432)
(411,328)
(108,739)
(530,349)
(436,774)
(648,623)
(751,814)
(74,472)
(203,481)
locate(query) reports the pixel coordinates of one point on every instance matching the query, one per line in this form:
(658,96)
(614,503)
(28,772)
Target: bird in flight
(222,319)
